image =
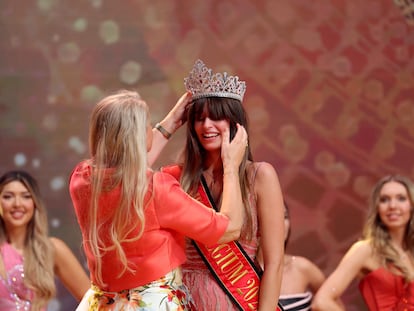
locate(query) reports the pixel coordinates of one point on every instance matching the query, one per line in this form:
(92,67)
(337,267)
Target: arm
(172,122)
(328,296)
(314,275)
(178,211)
(232,202)
(69,270)
(271,216)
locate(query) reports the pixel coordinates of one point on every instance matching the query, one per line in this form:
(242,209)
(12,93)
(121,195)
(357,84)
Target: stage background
(329,95)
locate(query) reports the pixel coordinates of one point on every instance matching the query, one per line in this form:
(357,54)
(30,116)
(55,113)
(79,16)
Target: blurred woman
(301,278)
(30,259)
(384,259)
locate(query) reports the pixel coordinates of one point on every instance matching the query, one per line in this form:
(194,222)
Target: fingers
(226,135)
(185,99)
(182,104)
(241,135)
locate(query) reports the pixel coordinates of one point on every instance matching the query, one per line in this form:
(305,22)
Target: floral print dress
(165,294)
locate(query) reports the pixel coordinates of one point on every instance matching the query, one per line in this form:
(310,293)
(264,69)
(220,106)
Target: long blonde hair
(377,232)
(118,141)
(38,249)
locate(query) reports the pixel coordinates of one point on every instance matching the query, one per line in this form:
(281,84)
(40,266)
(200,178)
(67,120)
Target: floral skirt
(167,294)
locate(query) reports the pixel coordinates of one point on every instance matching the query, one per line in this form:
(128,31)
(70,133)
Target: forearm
(160,136)
(172,121)
(232,205)
(325,300)
(270,288)
(158,144)
(327,305)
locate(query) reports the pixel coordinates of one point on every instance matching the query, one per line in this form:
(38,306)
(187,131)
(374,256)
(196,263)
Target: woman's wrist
(230,172)
(166,133)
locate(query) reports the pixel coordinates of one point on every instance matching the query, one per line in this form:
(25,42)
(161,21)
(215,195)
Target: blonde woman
(30,259)
(383,260)
(134,220)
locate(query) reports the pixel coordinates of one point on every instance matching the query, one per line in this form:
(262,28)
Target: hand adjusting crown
(203,83)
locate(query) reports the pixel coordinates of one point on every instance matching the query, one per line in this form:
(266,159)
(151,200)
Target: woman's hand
(232,153)
(177,116)
(174,119)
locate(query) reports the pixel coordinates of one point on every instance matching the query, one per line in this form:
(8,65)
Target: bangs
(216,108)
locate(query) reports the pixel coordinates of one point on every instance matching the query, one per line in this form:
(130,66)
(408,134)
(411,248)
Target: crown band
(203,83)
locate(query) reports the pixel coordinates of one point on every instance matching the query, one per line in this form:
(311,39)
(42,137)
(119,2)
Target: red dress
(384,291)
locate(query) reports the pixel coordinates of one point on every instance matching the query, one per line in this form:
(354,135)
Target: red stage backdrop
(329,94)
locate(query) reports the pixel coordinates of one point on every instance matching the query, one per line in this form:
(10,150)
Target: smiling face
(17,205)
(209,131)
(394,206)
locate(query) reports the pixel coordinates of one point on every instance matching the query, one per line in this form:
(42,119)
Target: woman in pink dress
(217,102)
(29,258)
(384,259)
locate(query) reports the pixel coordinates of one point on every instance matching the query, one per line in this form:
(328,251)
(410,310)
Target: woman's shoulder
(302,262)
(173,169)
(57,243)
(362,246)
(164,181)
(260,166)
(261,170)
(361,254)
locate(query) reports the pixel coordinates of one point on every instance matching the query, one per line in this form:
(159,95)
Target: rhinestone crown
(203,83)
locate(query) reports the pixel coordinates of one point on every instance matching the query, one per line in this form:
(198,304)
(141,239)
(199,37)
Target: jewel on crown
(203,83)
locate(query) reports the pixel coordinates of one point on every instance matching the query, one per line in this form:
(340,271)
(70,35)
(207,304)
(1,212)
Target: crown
(203,83)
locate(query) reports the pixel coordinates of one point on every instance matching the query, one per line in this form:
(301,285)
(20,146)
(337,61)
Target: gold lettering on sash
(253,289)
(236,273)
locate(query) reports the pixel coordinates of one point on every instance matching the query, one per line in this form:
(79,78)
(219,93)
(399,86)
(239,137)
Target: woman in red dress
(384,258)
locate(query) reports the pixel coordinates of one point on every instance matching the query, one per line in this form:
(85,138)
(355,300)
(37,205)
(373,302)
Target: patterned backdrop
(329,94)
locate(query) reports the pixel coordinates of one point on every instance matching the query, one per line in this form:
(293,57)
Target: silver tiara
(203,83)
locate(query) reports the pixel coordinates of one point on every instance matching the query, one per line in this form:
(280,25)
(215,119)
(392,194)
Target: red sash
(232,268)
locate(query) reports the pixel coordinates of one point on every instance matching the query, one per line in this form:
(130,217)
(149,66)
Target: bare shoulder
(303,263)
(306,266)
(361,255)
(361,248)
(262,171)
(60,248)
(57,243)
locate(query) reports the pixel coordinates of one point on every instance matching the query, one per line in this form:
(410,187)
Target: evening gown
(384,291)
(205,291)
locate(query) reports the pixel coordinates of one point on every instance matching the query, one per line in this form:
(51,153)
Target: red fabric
(207,294)
(170,215)
(385,291)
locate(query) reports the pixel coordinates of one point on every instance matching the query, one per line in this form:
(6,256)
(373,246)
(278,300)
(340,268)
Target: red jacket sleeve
(178,211)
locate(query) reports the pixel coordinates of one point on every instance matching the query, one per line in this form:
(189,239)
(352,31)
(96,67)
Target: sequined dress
(14,295)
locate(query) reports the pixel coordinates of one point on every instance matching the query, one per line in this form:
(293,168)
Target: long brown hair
(377,232)
(38,249)
(194,155)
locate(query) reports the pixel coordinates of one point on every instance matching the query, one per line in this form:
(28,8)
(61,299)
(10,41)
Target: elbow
(317,303)
(230,235)
(234,234)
